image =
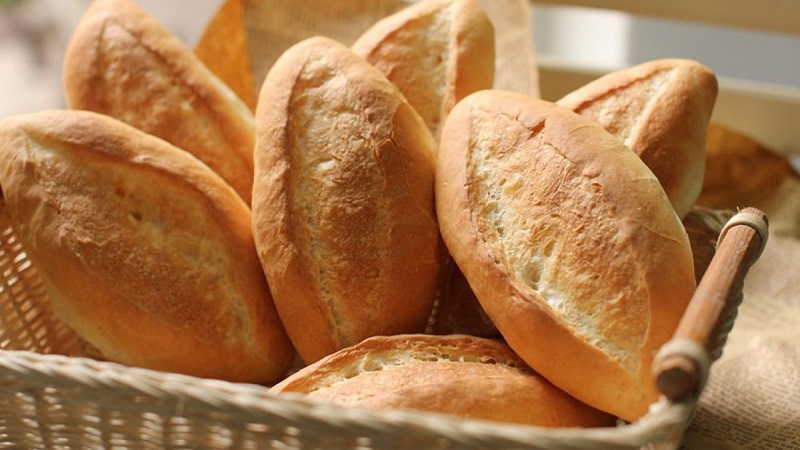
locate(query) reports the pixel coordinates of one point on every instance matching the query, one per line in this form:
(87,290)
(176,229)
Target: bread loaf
(435,51)
(145,252)
(568,241)
(661,110)
(343,205)
(741,171)
(461,375)
(123,63)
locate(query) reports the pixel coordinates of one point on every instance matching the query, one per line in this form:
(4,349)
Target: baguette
(661,110)
(460,375)
(568,241)
(435,51)
(343,204)
(145,252)
(121,62)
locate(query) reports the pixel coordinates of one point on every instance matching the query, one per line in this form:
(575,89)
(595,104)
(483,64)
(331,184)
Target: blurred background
(609,40)
(34,34)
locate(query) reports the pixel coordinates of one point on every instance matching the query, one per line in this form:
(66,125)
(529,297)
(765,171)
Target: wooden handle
(679,375)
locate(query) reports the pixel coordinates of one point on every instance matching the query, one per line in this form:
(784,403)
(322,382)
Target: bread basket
(56,394)
(49,399)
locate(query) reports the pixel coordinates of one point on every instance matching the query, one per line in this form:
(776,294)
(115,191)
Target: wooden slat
(677,375)
(771,15)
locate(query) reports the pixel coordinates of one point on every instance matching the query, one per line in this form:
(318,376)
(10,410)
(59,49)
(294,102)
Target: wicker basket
(57,393)
(54,395)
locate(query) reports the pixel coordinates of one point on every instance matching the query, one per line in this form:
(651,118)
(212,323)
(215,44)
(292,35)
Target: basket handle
(681,366)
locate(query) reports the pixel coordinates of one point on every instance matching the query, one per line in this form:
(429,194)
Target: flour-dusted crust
(145,252)
(122,62)
(463,375)
(343,203)
(435,51)
(660,109)
(568,241)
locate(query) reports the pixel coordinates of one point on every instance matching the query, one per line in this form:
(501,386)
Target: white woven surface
(53,398)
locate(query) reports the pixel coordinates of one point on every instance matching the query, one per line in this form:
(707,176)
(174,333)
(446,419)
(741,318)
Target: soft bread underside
(455,374)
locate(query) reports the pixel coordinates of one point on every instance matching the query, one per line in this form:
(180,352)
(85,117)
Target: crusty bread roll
(435,51)
(740,171)
(145,251)
(462,375)
(123,63)
(568,241)
(660,109)
(458,311)
(343,205)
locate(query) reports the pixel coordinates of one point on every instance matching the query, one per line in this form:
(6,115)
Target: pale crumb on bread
(343,206)
(568,241)
(138,243)
(535,225)
(620,110)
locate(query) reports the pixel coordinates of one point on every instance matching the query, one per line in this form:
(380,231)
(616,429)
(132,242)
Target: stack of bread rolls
(379,191)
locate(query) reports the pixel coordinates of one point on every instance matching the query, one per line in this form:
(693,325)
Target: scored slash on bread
(145,252)
(343,204)
(564,235)
(463,375)
(568,241)
(435,51)
(661,110)
(121,62)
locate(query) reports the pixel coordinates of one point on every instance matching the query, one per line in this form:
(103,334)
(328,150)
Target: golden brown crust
(435,51)
(146,252)
(462,375)
(567,240)
(660,109)
(343,204)
(123,63)
(740,171)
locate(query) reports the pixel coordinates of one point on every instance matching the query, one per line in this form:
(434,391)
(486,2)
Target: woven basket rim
(666,419)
